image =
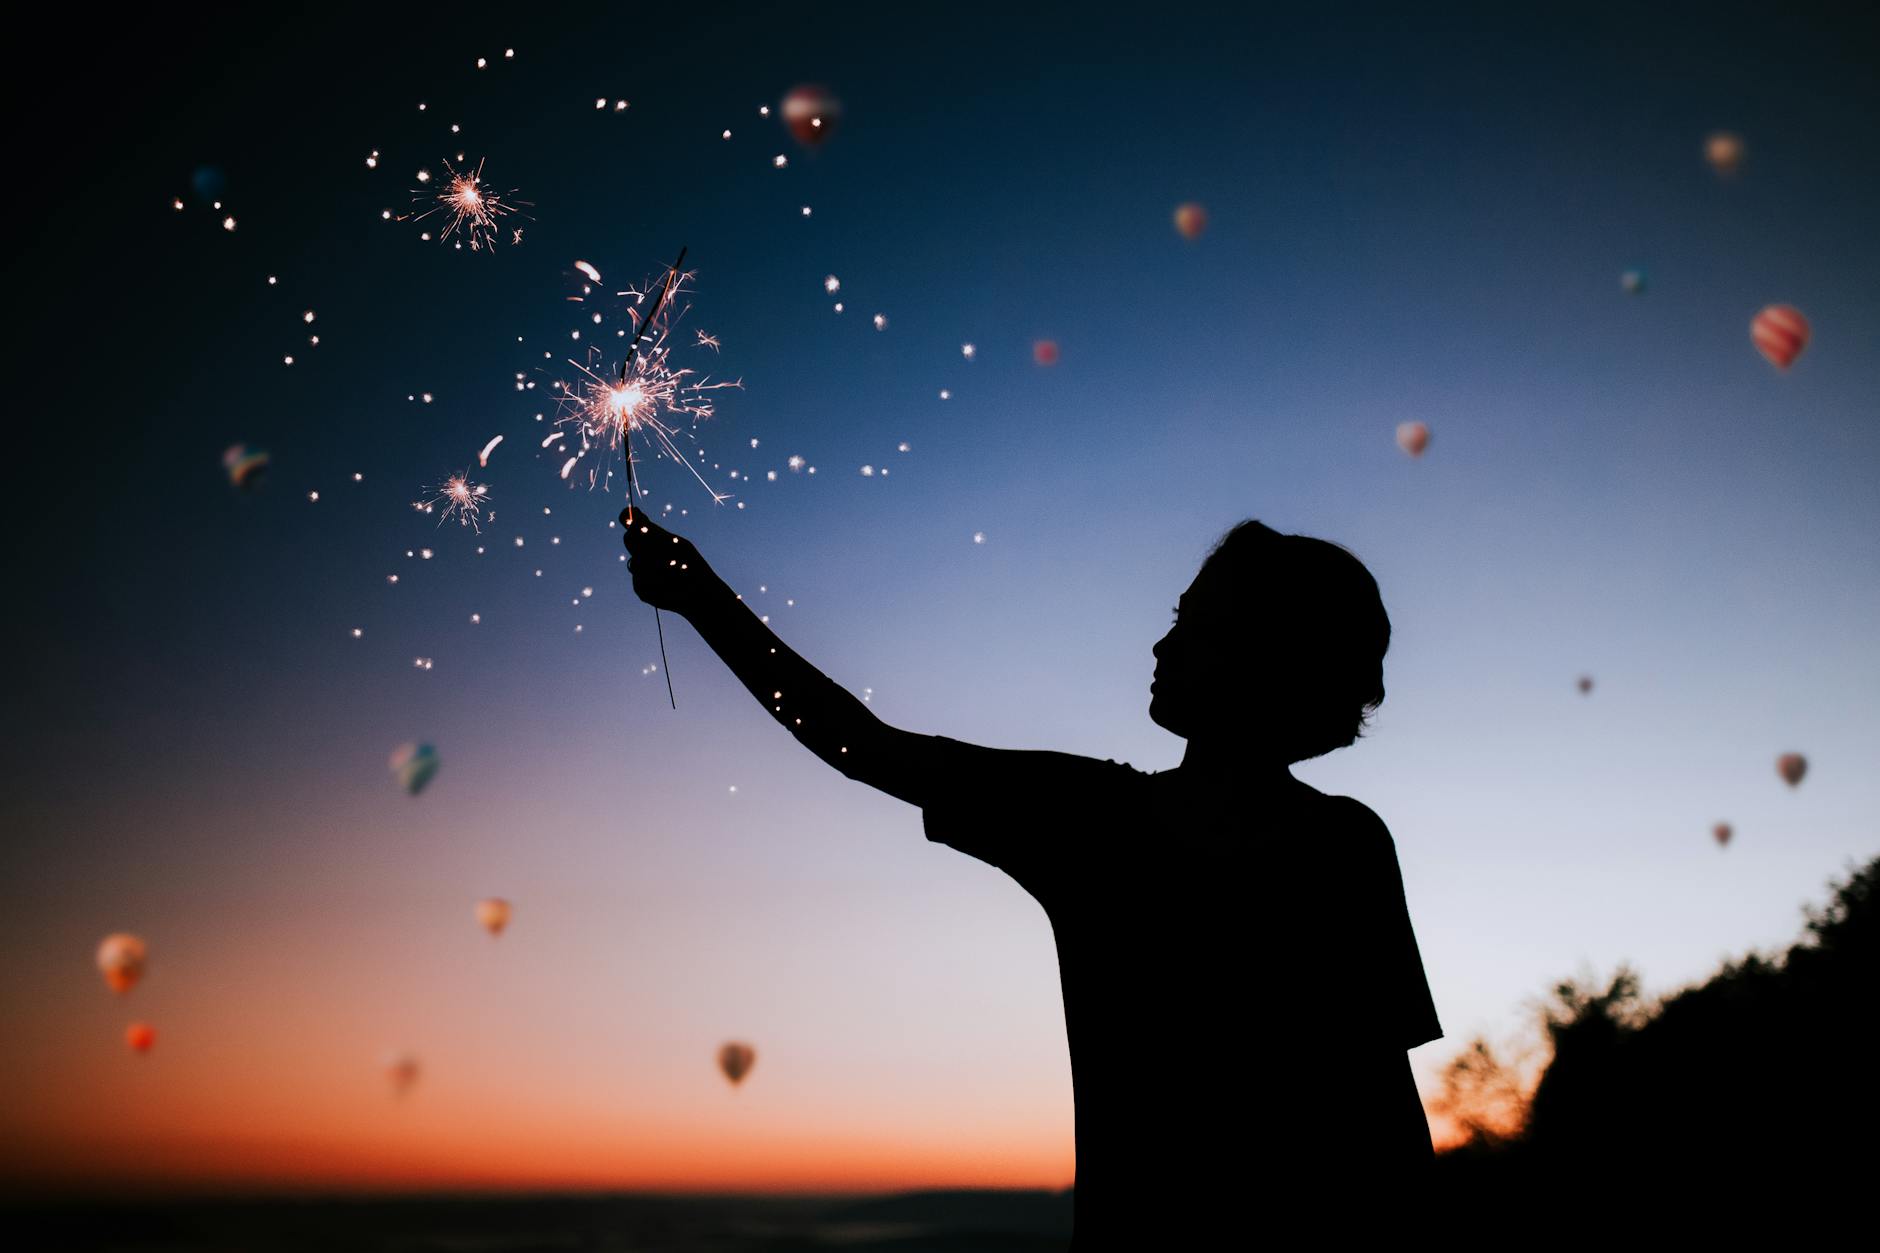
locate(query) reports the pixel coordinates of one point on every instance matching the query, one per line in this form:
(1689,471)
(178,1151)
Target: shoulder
(1355,825)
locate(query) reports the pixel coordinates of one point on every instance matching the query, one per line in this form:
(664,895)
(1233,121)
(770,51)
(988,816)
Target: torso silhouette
(1240,980)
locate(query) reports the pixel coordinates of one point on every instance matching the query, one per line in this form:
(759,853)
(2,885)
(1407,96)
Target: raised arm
(669,573)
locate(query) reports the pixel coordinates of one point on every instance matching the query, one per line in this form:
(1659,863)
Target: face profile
(1277,648)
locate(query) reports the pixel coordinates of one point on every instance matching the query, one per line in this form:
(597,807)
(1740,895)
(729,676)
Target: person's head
(1277,646)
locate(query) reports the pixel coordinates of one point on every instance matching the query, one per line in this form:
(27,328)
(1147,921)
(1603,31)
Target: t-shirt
(1240,979)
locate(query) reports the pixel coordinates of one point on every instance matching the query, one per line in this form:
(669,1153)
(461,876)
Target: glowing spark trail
(651,395)
(468,205)
(483,458)
(458,497)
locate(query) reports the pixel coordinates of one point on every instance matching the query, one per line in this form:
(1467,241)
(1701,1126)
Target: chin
(1168,719)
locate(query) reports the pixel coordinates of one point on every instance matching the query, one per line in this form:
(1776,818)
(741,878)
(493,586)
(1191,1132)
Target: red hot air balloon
(1045,352)
(1779,332)
(1725,152)
(1586,684)
(1191,220)
(736,1061)
(121,959)
(1791,766)
(811,112)
(140,1036)
(493,913)
(402,1070)
(1413,437)
(1722,833)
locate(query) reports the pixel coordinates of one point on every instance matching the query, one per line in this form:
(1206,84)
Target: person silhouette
(1241,981)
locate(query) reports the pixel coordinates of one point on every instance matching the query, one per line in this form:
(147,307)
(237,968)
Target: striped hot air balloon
(1780,332)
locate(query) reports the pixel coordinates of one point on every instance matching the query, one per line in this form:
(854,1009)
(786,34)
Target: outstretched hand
(667,571)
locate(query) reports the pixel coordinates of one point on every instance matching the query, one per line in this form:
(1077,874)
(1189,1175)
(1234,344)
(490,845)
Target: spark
(588,270)
(881,321)
(968,351)
(228,223)
(458,497)
(483,458)
(467,204)
(832,284)
(780,160)
(651,396)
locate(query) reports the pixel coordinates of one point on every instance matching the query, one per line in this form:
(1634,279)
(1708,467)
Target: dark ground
(922,1222)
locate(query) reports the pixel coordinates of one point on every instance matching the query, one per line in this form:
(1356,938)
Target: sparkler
(648,396)
(468,205)
(458,497)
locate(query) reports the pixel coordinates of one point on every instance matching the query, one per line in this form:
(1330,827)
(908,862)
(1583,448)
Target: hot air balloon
(413,765)
(1633,281)
(1191,220)
(736,1061)
(121,960)
(811,112)
(493,913)
(1722,833)
(1585,684)
(1725,152)
(1044,352)
(1780,332)
(245,466)
(140,1036)
(1791,766)
(1413,437)
(402,1070)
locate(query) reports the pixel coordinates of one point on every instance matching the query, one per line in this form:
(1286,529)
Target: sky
(1412,217)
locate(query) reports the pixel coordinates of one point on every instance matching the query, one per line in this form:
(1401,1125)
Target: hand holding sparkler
(667,570)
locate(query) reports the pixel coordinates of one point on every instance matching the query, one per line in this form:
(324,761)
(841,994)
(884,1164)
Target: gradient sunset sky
(1412,218)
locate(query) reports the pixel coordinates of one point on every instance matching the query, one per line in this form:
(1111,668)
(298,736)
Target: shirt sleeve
(1007,807)
(1397,977)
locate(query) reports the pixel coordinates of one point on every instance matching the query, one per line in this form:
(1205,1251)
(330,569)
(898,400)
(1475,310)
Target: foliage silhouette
(1763,1072)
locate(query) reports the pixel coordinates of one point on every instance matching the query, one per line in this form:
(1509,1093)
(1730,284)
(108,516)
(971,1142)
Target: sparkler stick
(626,363)
(633,485)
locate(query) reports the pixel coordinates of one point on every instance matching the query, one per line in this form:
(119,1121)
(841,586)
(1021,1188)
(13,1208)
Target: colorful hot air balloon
(1413,437)
(1585,684)
(245,466)
(493,913)
(1725,152)
(402,1070)
(413,765)
(1191,220)
(1044,352)
(140,1036)
(1791,766)
(1633,281)
(736,1061)
(1722,833)
(811,112)
(1780,332)
(121,960)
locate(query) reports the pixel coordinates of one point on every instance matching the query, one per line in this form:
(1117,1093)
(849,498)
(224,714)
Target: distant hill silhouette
(1756,1090)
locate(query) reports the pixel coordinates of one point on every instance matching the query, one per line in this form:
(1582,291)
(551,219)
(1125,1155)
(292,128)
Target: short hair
(1331,631)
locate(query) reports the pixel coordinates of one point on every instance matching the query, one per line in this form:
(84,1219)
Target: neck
(1239,760)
